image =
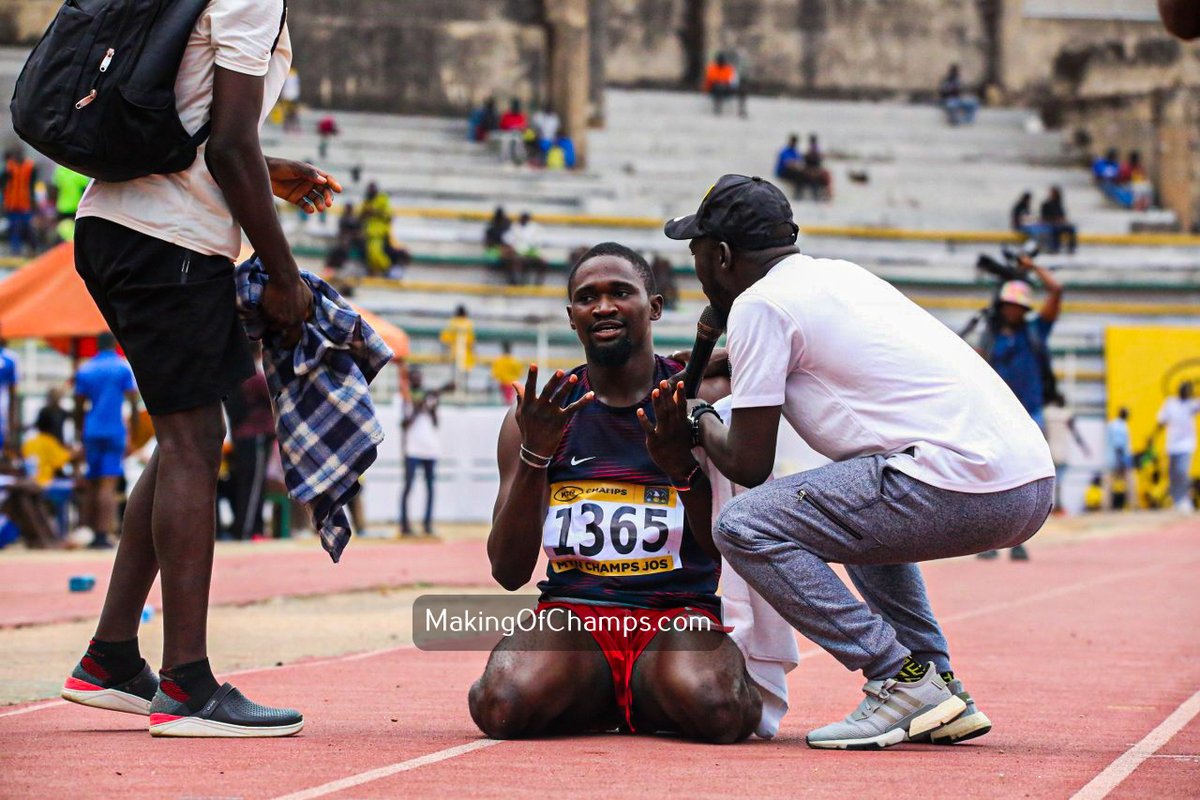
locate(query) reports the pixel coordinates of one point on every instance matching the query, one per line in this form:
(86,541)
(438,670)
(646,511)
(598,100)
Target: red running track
(1076,656)
(35,591)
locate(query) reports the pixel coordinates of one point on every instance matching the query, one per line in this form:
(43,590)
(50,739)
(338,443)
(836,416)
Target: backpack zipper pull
(87,100)
(108,57)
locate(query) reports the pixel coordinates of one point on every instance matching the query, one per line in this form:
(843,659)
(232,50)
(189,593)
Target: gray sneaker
(891,713)
(970,724)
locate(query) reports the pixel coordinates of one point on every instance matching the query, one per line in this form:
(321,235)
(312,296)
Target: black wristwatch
(694,416)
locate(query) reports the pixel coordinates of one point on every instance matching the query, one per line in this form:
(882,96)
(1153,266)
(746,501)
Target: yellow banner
(1144,366)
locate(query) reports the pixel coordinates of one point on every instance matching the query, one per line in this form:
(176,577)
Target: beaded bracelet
(687,487)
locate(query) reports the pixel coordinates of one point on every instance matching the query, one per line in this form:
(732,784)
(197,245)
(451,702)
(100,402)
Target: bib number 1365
(629,528)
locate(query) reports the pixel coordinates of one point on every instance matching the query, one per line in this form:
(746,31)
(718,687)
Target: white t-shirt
(187,208)
(421,439)
(1180,418)
(861,370)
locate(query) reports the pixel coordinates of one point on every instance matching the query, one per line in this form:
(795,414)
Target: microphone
(708,331)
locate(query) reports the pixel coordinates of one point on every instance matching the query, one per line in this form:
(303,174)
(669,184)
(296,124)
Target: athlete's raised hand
(669,438)
(542,419)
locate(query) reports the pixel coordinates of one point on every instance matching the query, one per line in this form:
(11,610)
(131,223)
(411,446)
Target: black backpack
(98,91)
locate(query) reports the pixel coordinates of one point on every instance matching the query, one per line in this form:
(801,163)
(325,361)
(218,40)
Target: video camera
(1008,269)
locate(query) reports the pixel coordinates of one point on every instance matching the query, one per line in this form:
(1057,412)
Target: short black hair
(617,250)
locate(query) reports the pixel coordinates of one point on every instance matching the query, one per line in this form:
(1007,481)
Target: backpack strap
(200,136)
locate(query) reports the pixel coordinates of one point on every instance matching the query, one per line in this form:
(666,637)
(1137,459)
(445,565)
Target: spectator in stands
(1017,347)
(497,249)
(102,385)
(721,82)
(458,337)
(383,258)
(561,154)
(327,128)
(17,182)
(1105,169)
(789,166)
(960,107)
(69,186)
(1138,192)
(422,446)
(545,127)
(1054,214)
(252,429)
(513,124)
(348,248)
(525,238)
(1061,430)
(10,406)
(816,177)
(1021,217)
(483,121)
(506,370)
(664,279)
(1178,418)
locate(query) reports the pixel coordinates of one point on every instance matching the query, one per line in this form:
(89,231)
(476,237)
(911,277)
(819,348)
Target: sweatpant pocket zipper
(183,271)
(805,497)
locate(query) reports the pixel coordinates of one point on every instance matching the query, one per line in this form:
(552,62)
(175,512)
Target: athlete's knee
(714,708)
(499,708)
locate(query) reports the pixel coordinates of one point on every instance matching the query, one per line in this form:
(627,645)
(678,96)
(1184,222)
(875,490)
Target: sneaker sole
(966,727)
(197,728)
(87,694)
(920,725)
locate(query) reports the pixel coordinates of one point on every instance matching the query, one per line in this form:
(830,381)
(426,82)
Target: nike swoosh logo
(575,462)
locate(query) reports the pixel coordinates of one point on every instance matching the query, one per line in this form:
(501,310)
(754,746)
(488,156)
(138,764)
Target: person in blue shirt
(10,408)
(789,165)
(1017,347)
(102,386)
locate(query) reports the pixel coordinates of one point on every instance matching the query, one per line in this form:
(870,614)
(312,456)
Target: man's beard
(610,354)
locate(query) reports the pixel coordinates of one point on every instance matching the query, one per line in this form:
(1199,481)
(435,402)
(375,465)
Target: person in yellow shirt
(383,258)
(459,339)
(1093,496)
(507,369)
(46,451)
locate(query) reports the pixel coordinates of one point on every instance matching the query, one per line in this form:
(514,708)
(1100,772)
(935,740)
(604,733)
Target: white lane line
(388,771)
(1100,786)
(316,662)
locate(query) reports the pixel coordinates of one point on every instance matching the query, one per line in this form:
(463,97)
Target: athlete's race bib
(613,529)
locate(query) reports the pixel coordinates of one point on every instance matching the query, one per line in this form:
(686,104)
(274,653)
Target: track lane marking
(1100,786)
(391,769)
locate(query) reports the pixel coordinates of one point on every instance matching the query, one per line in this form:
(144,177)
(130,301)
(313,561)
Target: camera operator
(1016,346)
(1015,343)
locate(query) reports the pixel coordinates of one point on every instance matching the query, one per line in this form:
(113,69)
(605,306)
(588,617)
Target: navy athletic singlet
(616,532)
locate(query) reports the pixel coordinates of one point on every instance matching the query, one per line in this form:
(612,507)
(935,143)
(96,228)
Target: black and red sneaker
(88,688)
(226,714)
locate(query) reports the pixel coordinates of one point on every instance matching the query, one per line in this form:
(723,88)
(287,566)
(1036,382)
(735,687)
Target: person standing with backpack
(1017,347)
(157,254)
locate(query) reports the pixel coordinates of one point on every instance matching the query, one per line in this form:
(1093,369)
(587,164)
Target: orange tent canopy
(47,299)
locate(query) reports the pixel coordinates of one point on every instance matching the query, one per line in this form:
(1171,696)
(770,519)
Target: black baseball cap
(748,213)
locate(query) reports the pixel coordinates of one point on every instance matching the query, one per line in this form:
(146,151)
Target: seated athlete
(624,514)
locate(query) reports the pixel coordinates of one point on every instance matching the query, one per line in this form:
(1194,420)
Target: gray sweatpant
(781,536)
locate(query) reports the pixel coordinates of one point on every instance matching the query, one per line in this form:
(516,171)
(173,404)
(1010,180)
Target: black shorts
(172,310)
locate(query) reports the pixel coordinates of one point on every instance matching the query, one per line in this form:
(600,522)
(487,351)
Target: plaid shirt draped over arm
(320,391)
